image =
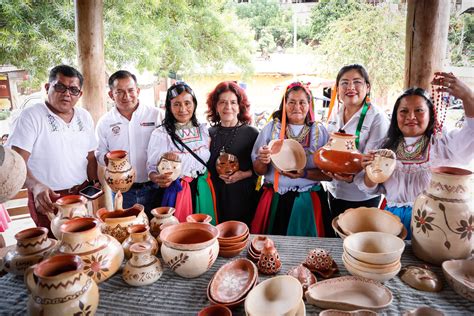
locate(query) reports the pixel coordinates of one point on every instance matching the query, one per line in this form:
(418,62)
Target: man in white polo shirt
(128,126)
(57,141)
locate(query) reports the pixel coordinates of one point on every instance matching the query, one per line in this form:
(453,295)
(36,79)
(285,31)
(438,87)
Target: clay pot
(116,222)
(269,262)
(59,286)
(199,218)
(189,249)
(442,217)
(119,173)
(143,268)
(139,233)
(32,246)
(161,215)
(69,207)
(102,254)
(227,164)
(170,164)
(339,155)
(12,173)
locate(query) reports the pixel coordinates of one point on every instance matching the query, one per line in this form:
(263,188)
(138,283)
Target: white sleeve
(457,145)
(103,147)
(25,132)
(157,146)
(90,132)
(263,138)
(359,181)
(378,132)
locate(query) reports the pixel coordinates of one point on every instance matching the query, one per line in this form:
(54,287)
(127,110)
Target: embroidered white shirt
(115,132)
(58,150)
(373,131)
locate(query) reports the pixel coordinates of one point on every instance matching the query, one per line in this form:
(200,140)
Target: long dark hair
(295,87)
(169,120)
(394,134)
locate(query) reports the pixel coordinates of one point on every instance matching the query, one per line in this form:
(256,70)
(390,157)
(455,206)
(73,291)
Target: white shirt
(455,148)
(116,132)
(373,131)
(196,138)
(58,150)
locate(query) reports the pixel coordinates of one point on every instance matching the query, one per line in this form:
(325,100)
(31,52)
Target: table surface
(172,294)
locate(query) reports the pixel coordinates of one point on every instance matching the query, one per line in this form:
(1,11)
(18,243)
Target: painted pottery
(169,163)
(320,261)
(116,222)
(189,249)
(269,261)
(69,207)
(119,173)
(59,286)
(139,233)
(199,218)
(460,276)
(382,167)
(227,164)
(12,173)
(143,268)
(287,155)
(303,275)
(32,246)
(102,254)
(161,215)
(442,217)
(421,278)
(339,155)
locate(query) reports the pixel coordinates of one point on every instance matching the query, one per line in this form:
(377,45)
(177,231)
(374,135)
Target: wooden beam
(426,41)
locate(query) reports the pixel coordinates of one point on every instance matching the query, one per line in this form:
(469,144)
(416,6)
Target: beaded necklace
(441,103)
(413,151)
(301,135)
(226,141)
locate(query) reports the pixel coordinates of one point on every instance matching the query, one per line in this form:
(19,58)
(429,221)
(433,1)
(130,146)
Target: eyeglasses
(356,83)
(59,87)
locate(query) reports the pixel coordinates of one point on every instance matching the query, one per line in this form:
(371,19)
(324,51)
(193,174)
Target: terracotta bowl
(340,233)
(230,253)
(232,231)
(287,155)
(364,219)
(238,245)
(280,295)
(199,218)
(189,236)
(381,276)
(215,310)
(374,247)
(226,242)
(460,276)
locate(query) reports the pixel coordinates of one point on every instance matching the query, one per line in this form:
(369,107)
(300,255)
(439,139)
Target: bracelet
(305,173)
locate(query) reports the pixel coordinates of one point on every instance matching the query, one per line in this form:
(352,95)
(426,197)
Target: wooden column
(90,55)
(426,40)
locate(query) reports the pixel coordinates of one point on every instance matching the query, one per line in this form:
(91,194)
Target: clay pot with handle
(119,173)
(69,207)
(139,233)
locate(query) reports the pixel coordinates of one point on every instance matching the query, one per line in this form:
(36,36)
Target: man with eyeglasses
(57,141)
(128,126)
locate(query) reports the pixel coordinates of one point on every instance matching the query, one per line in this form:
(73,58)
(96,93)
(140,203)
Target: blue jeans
(144,196)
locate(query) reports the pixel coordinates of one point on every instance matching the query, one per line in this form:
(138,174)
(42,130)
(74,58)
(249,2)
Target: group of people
(62,148)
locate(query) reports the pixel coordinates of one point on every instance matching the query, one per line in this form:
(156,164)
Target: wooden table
(172,294)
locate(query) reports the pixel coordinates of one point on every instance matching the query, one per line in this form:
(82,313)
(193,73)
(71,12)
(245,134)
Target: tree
(374,37)
(461,39)
(160,36)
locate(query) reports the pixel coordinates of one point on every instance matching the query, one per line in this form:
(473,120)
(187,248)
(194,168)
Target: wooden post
(426,40)
(90,55)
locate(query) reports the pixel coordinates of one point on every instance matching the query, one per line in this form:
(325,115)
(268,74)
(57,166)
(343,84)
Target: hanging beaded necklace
(227,138)
(301,135)
(441,104)
(413,151)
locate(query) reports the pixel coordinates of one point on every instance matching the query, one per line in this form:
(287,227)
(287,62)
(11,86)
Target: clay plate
(232,304)
(289,156)
(365,219)
(349,293)
(460,276)
(233,280)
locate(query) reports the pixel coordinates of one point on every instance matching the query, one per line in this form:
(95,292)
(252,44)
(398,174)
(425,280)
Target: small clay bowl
(252,256)
(232,231)
(258,242)
(340,232)
(199,218)
(226,253)
(215,310)
(235,246)
(460,276)
(374,247)
(369,267)
(226,242)
(365,219)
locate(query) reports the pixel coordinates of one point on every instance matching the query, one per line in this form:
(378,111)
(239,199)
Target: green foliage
(160,36)
(4,115)
(375,37)
(461,40)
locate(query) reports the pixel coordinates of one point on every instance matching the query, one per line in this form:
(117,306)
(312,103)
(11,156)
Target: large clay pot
(69,207)
(12,173)
(339,155)
(32,246)
(139,233)
(143,268)
(102,254)
(442,217)
(119,173)
(59,286)
(116,222)
(161,215)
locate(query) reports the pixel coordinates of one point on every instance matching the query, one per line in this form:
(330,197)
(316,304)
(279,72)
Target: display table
(172,294)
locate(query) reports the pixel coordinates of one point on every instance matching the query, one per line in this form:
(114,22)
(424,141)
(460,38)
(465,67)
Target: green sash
(302,221)
(204,202)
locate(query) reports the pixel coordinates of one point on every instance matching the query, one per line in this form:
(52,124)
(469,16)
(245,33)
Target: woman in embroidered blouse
(290,202)
(354,115)
(411,137)
(191,191)
(228,112)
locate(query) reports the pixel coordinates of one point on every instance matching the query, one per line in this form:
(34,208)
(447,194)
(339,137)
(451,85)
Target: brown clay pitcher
(143,268)
(59,286)
(139,233)
(69,207)
(161,215)
(119,173)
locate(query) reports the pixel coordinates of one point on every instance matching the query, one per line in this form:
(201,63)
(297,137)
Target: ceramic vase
(269,261)
(102,254)
(442,217)
(32,246)
(143,268)
(339,155)
(139,233)
(161,215)
(115,223)
(119,173)
(12,173)
(59,286)
(69,207)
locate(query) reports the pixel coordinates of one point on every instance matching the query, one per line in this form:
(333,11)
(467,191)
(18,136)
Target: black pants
(338,206)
